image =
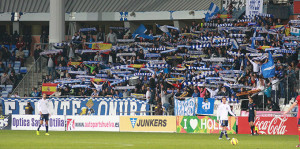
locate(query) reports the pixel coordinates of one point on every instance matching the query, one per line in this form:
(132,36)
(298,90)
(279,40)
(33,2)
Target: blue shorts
(224,123)
(44,117)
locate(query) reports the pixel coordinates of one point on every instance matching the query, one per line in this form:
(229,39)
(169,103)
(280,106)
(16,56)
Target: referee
(252,114)
(44,111)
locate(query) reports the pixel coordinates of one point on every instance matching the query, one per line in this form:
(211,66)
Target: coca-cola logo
(276,126)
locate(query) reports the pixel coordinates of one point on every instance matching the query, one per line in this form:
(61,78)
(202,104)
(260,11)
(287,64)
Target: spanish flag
(264,47)
(224,16)
(74,63)
(101,46)
(137,66)
(49,88)
(98,80)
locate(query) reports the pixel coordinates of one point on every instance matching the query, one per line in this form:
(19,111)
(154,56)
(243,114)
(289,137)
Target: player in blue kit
(252,114)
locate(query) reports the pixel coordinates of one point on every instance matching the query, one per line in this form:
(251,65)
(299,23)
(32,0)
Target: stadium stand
(210,59)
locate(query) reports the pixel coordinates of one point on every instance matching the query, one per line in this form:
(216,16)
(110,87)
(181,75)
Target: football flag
(205,106)
(268,69)
(140,31)
(213,9)
(165,29)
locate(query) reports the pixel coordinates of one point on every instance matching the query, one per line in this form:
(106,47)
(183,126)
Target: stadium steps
(32,78)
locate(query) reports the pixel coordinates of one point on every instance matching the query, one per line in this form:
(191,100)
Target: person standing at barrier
(222,117)
(28,108)
(44,111)
(297,102)
(152,86)
(252,114)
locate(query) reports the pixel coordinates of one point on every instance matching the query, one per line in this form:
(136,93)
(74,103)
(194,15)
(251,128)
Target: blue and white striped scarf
(232,53)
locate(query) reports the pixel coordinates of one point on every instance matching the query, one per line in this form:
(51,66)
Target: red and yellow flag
(74,63)
(224,16)
(98,80)
(137,66)
(264,47)
(101,46)
(49,88)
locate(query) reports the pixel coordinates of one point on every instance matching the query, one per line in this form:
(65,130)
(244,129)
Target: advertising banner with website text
(92,123)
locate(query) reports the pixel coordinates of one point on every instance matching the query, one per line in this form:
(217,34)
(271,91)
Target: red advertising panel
(270,125)
(297,7)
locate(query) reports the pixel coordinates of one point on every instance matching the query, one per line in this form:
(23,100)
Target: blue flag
(268,69)
(165,29)
(205,106)
(253,40)
(213,9)
(140,31)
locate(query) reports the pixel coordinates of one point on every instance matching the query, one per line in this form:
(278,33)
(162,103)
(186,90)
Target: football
(234,141)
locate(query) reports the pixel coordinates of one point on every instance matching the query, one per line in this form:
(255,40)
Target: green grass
(85,140)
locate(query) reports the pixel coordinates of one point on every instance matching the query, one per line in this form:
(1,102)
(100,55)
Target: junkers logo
(148,122)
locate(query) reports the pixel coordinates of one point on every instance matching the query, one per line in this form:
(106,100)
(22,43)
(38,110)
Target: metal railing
(287,88)
(32,78)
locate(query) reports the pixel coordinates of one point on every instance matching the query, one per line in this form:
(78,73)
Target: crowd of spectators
(180,65)
(14,50)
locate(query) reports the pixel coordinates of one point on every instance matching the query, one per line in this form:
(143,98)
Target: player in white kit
(44,111)
(222,117)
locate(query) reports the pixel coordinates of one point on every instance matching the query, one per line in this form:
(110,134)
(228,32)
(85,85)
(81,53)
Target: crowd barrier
(114,106)
(80,106)
(172,124)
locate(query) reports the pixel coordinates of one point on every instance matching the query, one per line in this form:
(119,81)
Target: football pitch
(85,140)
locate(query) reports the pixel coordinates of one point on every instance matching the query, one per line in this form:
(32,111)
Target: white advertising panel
(93,123)
(31,122)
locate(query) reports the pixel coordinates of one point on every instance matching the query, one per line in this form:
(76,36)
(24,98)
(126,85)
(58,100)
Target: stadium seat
(13,47)
(9,88)
(17,64)
(281,101)
(26,52)
(17,69)
(4,94)
(7,46)
(23,70)
(2,87)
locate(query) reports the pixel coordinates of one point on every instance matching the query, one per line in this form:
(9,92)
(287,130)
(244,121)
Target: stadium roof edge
(43,6)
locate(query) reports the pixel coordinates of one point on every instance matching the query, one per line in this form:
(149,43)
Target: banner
(270,125)
(264,113)
(31,122)
(80,106)
(101,46)
(148,123)
(49,88)
(185,107)
(254,7)
(203,124)
(205,106)
(92,123)
(5,122)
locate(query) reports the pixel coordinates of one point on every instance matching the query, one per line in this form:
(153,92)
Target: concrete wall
(111,16)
